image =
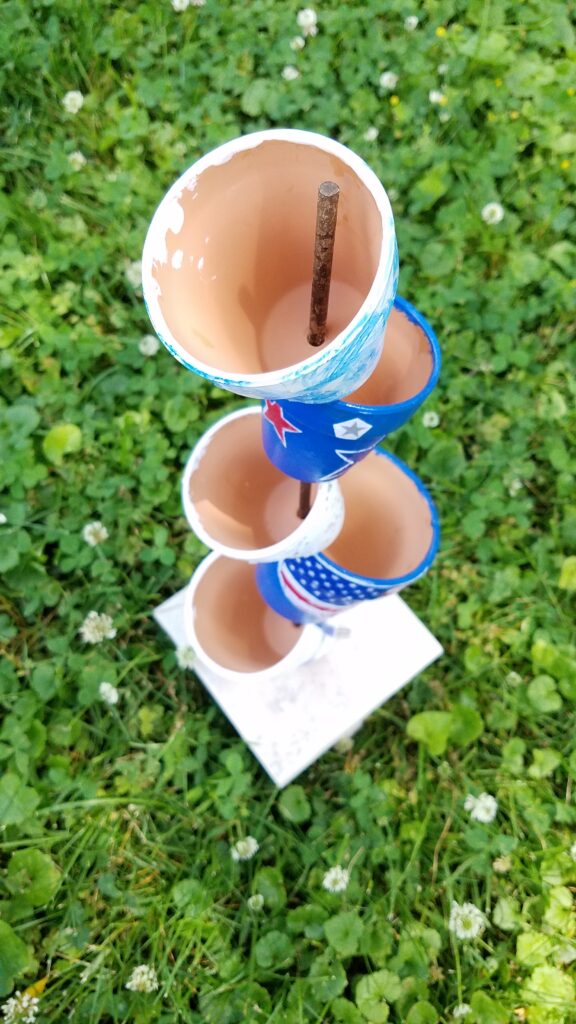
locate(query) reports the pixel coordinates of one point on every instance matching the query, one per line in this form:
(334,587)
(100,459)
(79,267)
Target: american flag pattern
(320,588)
(313,587)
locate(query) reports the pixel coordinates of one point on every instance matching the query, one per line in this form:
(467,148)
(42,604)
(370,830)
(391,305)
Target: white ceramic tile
(289,722)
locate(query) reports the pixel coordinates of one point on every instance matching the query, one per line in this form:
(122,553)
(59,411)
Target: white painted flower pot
(240,505)
(227,267)
(234,632)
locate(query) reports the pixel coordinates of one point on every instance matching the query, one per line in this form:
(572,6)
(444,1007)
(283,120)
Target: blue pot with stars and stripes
(320,442)
(390,539)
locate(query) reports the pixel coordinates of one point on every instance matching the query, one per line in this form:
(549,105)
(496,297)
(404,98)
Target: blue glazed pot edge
(430,555)
(395,407)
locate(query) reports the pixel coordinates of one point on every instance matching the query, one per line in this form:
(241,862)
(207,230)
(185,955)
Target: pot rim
(384,271)
(271,552)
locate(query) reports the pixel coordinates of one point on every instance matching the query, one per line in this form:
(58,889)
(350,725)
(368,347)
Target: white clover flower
(514,487)
(483,808)
(466,921)
(108,693)
(371,134)
(148,345)
(185,657)
(77,160)
(95,533)
(307,21)
(344,744)
(143,979)
(96,628)
(388,80)
(514,679)
(244,849)
(290,73)
(393,194)
(297,43)
(430,419)
(73,101)
(336,879)
(255,902)
(197,3)
(572,851)
(492,213)
(134,273)
(20,1009)
(444,116)
(437,97)
(180,5)
(501,865)
(443,70)
(462,1010)
(3,519)
(411,22)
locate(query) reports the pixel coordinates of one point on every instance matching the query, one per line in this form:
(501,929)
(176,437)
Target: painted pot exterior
(319,443)
(315,588)
(305,645)
(175,260)
(220,451)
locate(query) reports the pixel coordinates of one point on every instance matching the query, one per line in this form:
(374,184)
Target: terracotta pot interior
(234,625)
(235,288)
(388,527)
(242,500)
(404,368)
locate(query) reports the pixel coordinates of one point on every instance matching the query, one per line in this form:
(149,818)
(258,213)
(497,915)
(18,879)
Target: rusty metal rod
(326,213)
(305,503)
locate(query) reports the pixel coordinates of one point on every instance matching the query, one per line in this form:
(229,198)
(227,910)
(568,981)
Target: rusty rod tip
(328,189)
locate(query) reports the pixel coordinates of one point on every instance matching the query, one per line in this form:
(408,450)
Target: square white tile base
(290,721)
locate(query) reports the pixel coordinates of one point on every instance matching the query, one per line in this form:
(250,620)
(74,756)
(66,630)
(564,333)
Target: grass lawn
(118,821)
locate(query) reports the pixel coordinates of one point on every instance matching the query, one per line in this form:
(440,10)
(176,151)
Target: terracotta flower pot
(240,505)
(321,442)
(234,632)
(227,267)
(389,539)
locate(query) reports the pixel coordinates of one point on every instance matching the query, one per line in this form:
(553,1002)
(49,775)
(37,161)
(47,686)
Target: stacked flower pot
(227,276)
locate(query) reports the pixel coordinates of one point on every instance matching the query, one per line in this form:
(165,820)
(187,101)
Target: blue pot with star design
(320,442)
(389,539)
